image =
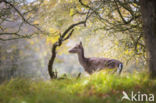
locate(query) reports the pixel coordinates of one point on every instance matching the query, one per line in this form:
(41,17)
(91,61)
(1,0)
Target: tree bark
(51,62)
(148,10)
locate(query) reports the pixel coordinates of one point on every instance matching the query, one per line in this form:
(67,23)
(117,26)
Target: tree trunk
(51,62)
(148,10)
(62,38)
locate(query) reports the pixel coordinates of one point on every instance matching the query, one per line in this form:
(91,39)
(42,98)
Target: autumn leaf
(72,11)
(36,22)
(52,39)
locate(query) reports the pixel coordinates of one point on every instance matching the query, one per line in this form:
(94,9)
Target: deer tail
(119,70)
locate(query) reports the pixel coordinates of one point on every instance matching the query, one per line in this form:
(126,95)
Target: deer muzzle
(71,51)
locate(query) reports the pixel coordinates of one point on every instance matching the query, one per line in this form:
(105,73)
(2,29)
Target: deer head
(77,48)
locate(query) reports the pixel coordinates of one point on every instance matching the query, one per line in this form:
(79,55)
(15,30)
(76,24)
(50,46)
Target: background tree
(21,57)
(17,19)
(148,11)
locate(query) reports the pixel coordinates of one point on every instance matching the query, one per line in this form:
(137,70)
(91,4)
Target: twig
(21,15)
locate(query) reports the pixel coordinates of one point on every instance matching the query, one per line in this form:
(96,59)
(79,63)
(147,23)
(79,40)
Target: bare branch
(21,15)
(121,16)
(15,38)
(68,35)
(120,12)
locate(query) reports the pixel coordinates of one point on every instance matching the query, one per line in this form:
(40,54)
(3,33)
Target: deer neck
(82,58)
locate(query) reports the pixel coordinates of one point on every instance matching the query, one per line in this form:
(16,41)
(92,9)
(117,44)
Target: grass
(98,88)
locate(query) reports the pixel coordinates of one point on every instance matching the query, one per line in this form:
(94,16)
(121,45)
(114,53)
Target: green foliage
(98,88)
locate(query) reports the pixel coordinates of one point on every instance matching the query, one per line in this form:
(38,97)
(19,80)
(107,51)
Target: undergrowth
(97,88)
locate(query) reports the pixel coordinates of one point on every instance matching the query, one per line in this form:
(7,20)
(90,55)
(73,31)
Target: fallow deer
(91,65)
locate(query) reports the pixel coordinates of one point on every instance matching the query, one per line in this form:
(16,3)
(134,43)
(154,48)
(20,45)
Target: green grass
(98,88)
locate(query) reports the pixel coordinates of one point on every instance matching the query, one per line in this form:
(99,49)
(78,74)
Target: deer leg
(119,68)
(78,76)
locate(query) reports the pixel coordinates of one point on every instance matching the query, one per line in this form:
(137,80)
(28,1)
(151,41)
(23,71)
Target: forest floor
(97,88)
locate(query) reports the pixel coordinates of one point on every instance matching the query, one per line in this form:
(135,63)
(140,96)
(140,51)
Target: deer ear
(80,43)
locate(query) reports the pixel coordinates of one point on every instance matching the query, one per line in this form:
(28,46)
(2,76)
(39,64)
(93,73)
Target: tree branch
(120,13)
(21,15)
(130,11)
(62,38)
